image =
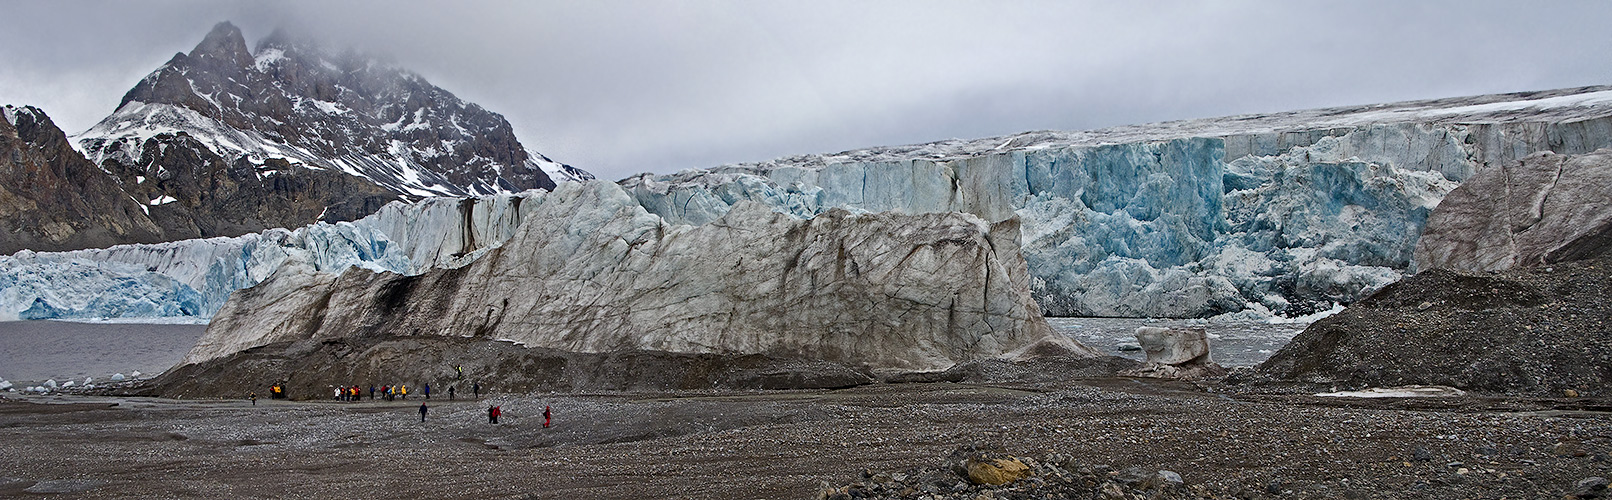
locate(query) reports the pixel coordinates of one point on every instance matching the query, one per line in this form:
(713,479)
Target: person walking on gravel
(252,396)
(475,388)
(493,412)
(450,393)
(547,417)
(422,412)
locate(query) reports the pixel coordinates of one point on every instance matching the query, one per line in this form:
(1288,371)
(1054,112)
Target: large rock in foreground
(1534,331)
(1547,208)
(591,271)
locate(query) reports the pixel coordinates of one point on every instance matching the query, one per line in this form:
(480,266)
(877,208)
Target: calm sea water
(34,351)
(1230,344)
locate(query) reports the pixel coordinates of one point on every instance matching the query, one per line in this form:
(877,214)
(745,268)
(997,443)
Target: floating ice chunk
(136,374)
(117,377)
(4,385)
(50,383)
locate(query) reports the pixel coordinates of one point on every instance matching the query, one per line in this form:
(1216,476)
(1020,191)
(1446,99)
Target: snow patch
(267,58)
(1408,391)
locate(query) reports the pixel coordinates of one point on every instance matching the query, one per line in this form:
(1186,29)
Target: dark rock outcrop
(51,198)
(197,194)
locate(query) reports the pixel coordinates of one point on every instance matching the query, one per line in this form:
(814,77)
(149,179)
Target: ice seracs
(1287,213)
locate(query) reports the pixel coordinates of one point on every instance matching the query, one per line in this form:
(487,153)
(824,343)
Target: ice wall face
(1288,214)
(1156,228)
(592,271)
(1545,209)
(196,277)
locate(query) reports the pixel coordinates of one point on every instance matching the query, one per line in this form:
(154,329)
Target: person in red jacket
(547,417)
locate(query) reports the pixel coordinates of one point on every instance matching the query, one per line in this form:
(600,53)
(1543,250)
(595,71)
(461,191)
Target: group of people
(392,393)
(493,412)
(387,392)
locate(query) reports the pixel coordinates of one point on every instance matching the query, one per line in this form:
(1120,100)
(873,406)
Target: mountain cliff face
(51,198)
(1287,213)
(298,103)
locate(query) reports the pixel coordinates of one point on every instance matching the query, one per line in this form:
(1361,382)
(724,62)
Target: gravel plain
(1084,437)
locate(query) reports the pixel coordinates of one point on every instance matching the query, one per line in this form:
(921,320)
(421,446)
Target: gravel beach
(843,443)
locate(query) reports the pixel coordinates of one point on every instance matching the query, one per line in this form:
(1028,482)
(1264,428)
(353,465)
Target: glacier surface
(1285,214)
(195,277)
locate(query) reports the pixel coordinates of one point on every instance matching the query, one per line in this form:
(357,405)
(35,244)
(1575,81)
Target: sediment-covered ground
(874,440)
(1538,331)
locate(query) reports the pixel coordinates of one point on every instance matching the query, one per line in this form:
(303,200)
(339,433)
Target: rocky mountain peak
(296,100)
(224,43)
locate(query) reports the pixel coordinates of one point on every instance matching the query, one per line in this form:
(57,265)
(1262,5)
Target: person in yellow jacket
(403,390)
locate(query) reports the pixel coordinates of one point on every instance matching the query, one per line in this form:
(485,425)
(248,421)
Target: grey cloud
(623,87)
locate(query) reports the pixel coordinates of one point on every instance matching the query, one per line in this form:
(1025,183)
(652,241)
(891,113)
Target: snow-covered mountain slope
(294,101)
(1288,213)
(195,277)
(557,171)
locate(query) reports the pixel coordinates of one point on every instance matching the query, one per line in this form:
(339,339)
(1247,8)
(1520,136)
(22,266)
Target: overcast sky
(625,87)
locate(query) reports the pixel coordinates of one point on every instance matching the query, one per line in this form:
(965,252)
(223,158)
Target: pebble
(1590,487)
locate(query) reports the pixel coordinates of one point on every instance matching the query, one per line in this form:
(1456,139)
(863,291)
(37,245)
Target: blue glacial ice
(195,277)
(1285,224)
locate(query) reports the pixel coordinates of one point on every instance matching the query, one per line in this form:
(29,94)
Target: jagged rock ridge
(294,101)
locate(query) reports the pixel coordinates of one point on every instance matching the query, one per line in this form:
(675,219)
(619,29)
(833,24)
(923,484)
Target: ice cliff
(1546,209)
(195,277)
(1286,213)
(592,271)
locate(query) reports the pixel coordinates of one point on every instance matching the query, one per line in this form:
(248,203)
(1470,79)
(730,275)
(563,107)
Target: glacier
(195,277)
(1247,217)
(1285,214)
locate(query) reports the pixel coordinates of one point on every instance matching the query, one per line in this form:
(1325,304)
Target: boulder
(1177,353)
(1174,346)
(996,472)
(1544,209)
